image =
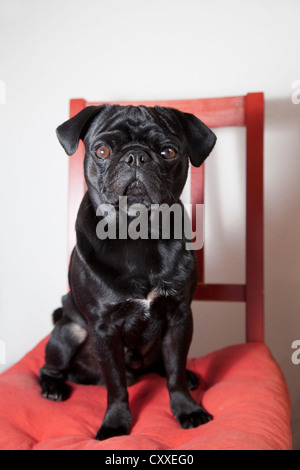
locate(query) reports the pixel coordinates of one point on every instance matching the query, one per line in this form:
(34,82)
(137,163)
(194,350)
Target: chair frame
(247,111)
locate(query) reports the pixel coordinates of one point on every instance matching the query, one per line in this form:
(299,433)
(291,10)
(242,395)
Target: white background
(51,51)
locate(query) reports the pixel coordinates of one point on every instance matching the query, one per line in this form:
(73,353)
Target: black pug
(128,310)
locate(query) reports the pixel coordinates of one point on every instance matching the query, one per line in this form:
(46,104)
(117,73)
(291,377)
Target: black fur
(128,310)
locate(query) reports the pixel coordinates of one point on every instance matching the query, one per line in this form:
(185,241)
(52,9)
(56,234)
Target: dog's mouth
(136,189)
(137,193)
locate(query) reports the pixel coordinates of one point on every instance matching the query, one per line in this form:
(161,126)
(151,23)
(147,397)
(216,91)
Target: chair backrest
(245,111)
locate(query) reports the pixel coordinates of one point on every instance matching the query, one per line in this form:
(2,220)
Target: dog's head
(136,151)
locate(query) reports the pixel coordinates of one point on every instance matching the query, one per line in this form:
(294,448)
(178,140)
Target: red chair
(242,386)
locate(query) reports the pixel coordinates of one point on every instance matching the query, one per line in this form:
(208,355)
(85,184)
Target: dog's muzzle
(136,190)
(136,158)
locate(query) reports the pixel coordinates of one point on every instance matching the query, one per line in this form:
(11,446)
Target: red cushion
(243,389)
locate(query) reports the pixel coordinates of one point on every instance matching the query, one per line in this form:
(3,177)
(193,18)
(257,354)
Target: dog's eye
(168,153)
(103,152)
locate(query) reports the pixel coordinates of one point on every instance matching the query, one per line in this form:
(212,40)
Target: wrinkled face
(139,152)
(135,152)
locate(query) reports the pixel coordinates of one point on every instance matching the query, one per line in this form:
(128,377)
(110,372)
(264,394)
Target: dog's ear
(70,132)
(201,139)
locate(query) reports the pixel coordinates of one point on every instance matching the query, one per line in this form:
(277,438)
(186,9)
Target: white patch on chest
(157,292)
(147,302)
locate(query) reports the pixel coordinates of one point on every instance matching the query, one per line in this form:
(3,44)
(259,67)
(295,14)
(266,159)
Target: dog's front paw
(194,419)
(116,423)
(107,431)
(54,388)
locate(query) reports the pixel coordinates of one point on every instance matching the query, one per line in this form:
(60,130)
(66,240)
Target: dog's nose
(136,158)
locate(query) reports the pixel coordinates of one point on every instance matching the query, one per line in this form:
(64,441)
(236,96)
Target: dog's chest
(159,292)
(144,317)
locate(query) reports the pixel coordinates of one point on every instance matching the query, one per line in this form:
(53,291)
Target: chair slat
(221,292)
(215,112)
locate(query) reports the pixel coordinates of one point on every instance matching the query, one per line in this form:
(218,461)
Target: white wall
(113,50)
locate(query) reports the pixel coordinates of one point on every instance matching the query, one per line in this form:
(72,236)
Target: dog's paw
(116,423)
(54,389)
(194,419)
(106,431)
